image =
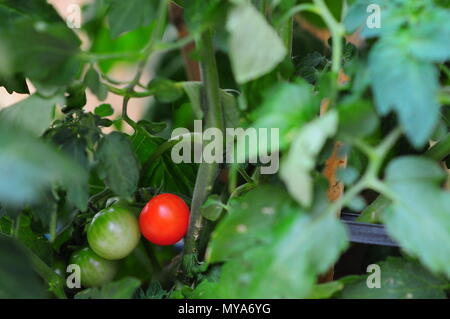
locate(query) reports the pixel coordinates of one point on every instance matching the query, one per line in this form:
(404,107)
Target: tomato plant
(164,219)
(275,149)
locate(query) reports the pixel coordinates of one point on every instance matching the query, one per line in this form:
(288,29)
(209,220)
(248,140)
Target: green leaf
(249,222)
(37,44)
(400,279)
(357,119)
(45,52)
(419,218)
(430,36)
(118,165)
(311,65)
(124,16)
(31,166)
(153,127)
(76,97)
(166,91)
(154,291)
(288,267)
(255,48)
(295,169)
(162,173)
(127,46)
(93,82)
(137,264)
(104,110)
(6,225)
(205,290)
(212,208)
(287,106)
(122,289)
(36,243)
(18,278)
(35,113)
(266,243)
(403,84)
(326,290)
(14,83)
(199,14)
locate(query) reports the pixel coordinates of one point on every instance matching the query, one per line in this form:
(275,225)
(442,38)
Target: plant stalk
(337,33)
(207,172)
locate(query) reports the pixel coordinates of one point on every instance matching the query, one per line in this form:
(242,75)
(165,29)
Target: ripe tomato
(95,270)
(114,232)
(164,220)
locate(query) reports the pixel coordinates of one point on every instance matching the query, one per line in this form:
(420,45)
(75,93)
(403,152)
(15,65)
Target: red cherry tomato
(164,220)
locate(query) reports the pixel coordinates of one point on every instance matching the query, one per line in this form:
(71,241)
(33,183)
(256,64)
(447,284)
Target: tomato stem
(337,32)
(207,172)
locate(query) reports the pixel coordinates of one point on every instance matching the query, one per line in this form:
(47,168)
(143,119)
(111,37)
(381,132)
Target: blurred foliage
(267,236)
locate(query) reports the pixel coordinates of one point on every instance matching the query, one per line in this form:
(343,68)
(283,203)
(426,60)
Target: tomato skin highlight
(113,233)
(164,220)
(95,270)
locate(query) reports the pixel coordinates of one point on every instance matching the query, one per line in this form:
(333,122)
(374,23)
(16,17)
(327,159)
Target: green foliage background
(264,236)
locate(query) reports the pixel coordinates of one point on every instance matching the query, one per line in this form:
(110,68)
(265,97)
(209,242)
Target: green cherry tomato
(114,232)
(95,270)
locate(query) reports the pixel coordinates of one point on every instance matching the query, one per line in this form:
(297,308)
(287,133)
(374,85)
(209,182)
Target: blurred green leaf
(166,91)
(357,119)
(287,106)
(126,47)
(400,279)
(325,290)
(118,165)
(249,222)
(29,165)
(18,278)
(266,239)
(199,14)
(124,16)
(205,290)
(38,44)
(121,289)
(409,87)
(162,173)
(93,82)
(35,113)
(419,217)
(255,47)
(212,208)
(296,167)
(104,110)
(36,243)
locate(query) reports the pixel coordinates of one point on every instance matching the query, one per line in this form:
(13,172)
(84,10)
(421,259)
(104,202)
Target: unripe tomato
(95,270)
(114,232)
(165,219)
